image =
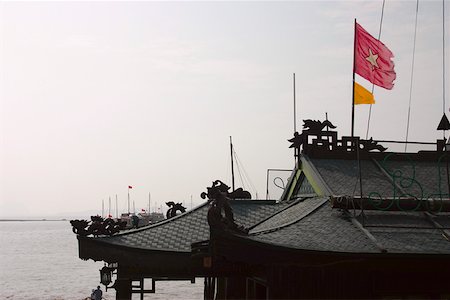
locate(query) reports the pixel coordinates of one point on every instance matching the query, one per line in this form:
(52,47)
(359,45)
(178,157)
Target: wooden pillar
(221,288)
(123,285)
(123,289)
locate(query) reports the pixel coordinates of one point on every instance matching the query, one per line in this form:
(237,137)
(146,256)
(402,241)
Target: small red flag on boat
(130,187)
(373,60)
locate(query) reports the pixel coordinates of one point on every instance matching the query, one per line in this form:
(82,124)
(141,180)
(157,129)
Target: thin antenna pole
(443,88)
(443,57)
(134,208)
(149,201)
(117,208)
(412,76)
(109,209)
(353,82)
(103,207)
(373,85)
(232,166)
(191,203)
(295,111)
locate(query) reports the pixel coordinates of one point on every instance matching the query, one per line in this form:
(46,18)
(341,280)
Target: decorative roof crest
(317,135)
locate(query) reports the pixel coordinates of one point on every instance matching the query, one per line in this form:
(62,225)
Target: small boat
(142,219)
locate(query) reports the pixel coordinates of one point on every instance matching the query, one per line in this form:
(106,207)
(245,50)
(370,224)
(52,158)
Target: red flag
(130,187)
(373,59)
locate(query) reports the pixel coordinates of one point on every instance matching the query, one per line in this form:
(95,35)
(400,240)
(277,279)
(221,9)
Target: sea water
(39,260)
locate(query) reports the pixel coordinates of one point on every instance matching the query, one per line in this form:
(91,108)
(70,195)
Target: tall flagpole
(353,81)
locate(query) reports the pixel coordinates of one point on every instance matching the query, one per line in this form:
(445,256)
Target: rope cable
(412,76)
(373,85)
(239,170)
(246,177)
(245,180)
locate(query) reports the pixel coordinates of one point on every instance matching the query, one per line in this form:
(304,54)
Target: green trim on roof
(315,179)
(296,178)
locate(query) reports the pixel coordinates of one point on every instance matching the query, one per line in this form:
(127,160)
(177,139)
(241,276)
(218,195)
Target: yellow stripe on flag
(363,96)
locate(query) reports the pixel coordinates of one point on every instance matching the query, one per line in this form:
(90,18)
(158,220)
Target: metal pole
(128,199)
(295,111)
(232,166)
(353,82)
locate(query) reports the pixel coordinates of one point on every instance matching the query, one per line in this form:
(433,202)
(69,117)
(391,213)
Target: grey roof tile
(327,229)
(420,179)
(323,230)
(297,211)
(404,240)
(179,233)
(342,177)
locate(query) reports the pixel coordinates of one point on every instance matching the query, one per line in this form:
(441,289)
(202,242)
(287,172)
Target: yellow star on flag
(372,59)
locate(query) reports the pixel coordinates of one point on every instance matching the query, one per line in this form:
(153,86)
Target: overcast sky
(98,96)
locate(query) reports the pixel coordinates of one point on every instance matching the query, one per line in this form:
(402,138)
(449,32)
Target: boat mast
(232,166)
(128,199)
(117,209)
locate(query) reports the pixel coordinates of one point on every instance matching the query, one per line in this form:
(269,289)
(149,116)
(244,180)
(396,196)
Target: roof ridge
(271,216)
(387,175)
(302,216)
(147,227)
(365,231)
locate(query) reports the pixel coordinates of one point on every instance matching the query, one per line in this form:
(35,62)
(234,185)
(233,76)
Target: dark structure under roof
(354,221)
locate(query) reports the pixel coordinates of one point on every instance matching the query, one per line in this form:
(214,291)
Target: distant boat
(143,218)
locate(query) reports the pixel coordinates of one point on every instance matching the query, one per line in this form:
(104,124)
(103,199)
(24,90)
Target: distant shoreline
(31,220)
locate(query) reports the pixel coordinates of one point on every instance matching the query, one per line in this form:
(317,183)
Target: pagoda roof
(313,225)
(418,178)
(403,209)
(176,235)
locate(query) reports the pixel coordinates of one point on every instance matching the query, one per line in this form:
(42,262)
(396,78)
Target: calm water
(39,260)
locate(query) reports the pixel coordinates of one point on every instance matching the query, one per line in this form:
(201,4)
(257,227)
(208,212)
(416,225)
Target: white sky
(98,96)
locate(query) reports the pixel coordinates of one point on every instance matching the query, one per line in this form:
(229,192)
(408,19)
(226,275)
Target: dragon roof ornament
(220,213)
